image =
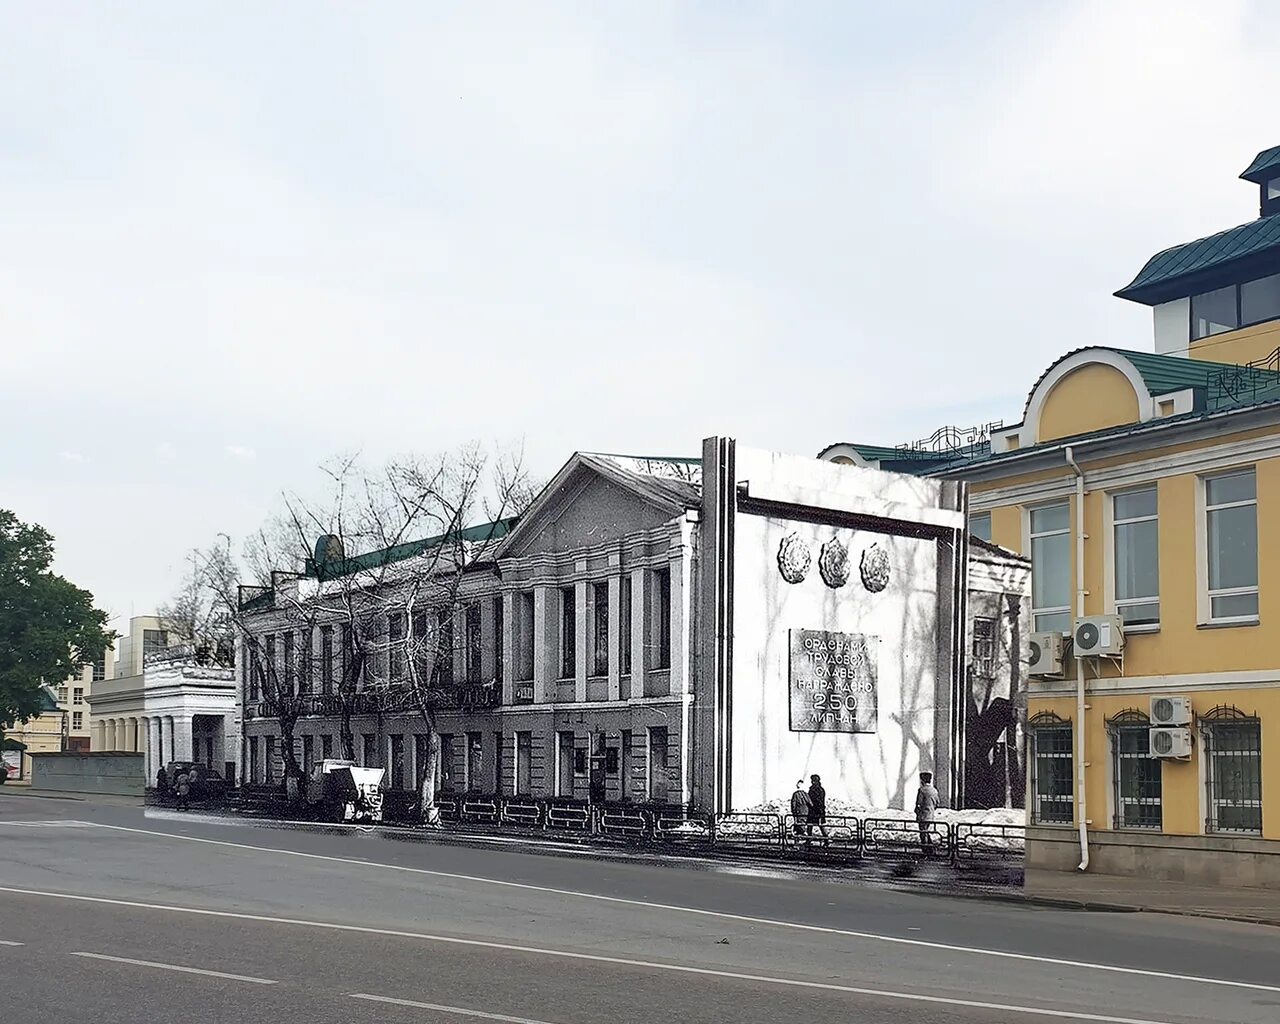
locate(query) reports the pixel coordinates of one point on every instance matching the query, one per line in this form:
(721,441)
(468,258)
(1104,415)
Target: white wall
(1173,327)
(874,768)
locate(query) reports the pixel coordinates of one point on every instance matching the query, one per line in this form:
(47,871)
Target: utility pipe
(1080,734)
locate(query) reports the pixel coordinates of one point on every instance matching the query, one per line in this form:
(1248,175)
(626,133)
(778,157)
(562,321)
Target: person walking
(800,809)
(817,809)
(184,792)
(162,783)
(926,807)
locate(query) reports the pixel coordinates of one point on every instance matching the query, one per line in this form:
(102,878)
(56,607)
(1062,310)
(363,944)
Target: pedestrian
(817,809)
(926,807)
(184,792)
(799,809)
(162,783)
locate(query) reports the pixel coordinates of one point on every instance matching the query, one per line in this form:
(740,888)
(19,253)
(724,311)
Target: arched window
(1232,744)
(1052,791)
(1136,776)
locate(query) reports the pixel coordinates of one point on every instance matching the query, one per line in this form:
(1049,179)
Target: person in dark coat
(926,806)
(799,808)
(184,792)
(818,809)
(162,783)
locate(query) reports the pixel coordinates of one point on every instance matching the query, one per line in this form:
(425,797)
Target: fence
(838,837)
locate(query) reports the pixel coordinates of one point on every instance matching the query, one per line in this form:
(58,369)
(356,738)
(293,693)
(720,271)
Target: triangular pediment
(592,501)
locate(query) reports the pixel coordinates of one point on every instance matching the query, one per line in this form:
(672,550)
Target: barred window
(1233,770)
(1137,777)
(984,647)
(1052,792)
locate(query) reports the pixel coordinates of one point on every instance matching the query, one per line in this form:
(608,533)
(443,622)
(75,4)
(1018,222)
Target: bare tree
(196,621)
(381,585)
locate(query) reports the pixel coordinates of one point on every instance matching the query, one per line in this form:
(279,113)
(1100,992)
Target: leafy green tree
(49,627)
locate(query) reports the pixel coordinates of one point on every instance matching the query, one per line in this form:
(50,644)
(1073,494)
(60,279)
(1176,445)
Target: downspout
(1080,734)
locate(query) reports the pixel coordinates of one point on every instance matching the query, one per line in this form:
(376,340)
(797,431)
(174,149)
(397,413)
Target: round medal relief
(793,558)
(833,563)
(874,568)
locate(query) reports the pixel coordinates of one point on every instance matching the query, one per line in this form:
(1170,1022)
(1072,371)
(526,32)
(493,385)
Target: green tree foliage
(49,627)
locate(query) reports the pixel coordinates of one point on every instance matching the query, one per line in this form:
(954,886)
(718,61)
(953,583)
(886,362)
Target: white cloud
(239,451)
(71,456)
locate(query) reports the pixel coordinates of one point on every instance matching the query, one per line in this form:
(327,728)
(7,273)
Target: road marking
(460,1011)
(175,967)
(7,942)
(722,915)
(564,954)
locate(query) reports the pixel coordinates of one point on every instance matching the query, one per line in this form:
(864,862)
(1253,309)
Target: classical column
(639,631)
(166,739)
(582,656)
(680,591)
(111,734)
(182,750)
(507,670)
(153,743)
(544,646)
(615,637)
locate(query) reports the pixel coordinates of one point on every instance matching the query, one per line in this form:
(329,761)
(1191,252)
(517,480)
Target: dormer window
(1214,312)
(1273,190)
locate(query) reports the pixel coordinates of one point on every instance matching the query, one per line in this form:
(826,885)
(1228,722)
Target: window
(288,662)
(347,656)
(77,696)
(100,669)
(255,674)
(1273,188)
(446,763)
(397,761)
(372,758)
(568,634)
(1214,312)
(395,646)
(1233,770)
(1051,568)
(326,659)
(62,694)
(270,667)
(442,669)
(980,525)
(497,764)
(600,629)
(658,764)
(524,636)
(269,768)
(326,746)
(77,720)
(1136,775)
(1231,527)
(499,670)
(1137,557)
(153,640)
(475,665)
(1260,300)
(564,764)
(624,766)
(304,661)
(475,762)
(624,626)
(984,647)
(254,775)
(524,763)
(1051,763)
(662,613)
(308,752)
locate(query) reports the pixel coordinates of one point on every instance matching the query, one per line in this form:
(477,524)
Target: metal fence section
(447,808)
(980,840)
(480,811)
(843,831)
(903,837)
(521,813)
(677,826)
(569,817)
(750,828)
(623,822)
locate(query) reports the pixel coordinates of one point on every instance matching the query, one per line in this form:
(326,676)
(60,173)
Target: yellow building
(43,733)
(1145,487)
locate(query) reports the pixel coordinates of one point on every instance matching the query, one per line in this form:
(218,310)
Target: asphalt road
(106,912)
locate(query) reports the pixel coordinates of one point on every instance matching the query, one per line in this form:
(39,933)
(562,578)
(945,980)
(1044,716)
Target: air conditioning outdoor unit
(1098,635)
(1046,654)
(1170,711)
(1171,743)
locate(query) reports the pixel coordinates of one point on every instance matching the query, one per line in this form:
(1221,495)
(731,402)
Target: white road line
(7,942)
(722,915)
(447,1009)
(175,967)
(563,954)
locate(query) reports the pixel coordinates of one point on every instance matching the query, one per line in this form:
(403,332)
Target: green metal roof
(1265,166)
(399,552)
(1168,275)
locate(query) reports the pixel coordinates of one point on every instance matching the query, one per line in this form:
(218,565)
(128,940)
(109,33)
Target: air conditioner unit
(1170,711)
(1046,654)
(1171,743)
(1098,635)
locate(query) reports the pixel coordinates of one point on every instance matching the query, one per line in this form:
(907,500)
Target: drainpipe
(1080,734)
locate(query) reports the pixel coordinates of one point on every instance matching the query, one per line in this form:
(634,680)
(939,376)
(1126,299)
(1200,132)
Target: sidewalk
(1090,891)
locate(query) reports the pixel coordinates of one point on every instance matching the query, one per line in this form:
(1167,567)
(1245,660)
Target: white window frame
(1028,536)
(1110,523)
(1204,596)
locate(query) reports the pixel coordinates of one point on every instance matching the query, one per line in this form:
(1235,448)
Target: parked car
(206,784)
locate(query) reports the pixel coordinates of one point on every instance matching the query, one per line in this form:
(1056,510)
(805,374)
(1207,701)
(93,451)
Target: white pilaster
(615,637)
(639,630)
(508,666)
(544,646)
(581,594)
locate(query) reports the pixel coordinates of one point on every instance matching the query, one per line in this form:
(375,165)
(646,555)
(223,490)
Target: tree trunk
(295,782)
(425,809)
(347,737)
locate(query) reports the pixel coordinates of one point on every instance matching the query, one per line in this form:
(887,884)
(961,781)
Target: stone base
(1217,860)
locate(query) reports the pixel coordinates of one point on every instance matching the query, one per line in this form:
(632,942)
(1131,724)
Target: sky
(239,239)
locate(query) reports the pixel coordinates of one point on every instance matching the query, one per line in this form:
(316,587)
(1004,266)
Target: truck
(339,790)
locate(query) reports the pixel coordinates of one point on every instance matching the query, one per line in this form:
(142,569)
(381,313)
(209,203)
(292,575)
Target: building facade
(43,733)
(587,662)
(1143,487)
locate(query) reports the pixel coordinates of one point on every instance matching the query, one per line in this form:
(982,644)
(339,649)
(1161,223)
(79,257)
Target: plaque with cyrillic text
(833,681)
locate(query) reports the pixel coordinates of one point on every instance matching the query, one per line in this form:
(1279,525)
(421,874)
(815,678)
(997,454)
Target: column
(639,631)
(507,670)
(615,637)
(459,646)
(100,735)
(680,591)
(111,734)
(544,646)
(166,739)
(182,738)
(157,754)
(581,609)
(134,745)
